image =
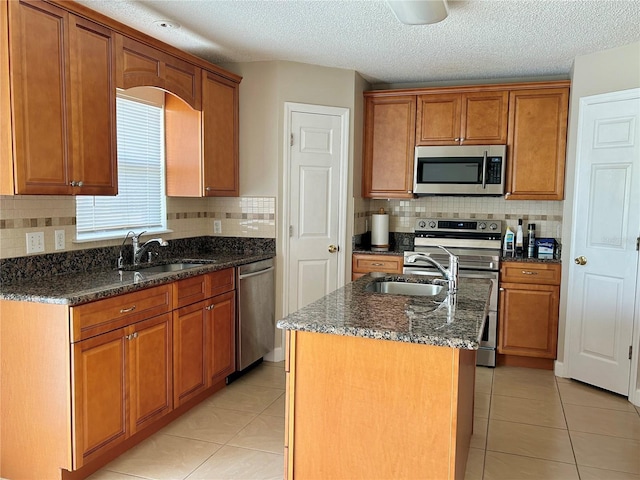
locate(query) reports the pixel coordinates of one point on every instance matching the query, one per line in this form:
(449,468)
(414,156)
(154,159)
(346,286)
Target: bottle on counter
(519,240)
(531,240)
(508,241)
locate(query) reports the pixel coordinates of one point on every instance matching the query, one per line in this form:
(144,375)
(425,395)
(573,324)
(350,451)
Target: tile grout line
(564,414)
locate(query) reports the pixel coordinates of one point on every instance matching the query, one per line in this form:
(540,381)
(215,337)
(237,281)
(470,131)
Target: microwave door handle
(484,170)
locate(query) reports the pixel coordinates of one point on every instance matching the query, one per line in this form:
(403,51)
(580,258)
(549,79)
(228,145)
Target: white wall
(264,89)
(601,72)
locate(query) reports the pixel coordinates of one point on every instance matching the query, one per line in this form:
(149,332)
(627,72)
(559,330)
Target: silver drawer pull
(210,307)
(127,310)
(526,272)
(377,264)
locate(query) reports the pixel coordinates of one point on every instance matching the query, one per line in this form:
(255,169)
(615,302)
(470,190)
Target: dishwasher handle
(253,274)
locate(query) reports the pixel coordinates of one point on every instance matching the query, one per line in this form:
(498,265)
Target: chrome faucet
(139,250)
(450,274)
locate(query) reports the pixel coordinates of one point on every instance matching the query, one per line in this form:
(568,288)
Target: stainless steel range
(476,243)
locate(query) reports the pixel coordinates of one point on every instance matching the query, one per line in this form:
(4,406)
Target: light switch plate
(35,242)
(59,237)
(217,226)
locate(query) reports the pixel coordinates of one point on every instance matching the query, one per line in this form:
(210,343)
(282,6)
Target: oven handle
(462,273)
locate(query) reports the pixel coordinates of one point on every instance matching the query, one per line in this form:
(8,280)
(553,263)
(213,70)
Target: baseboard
(277,355)
(635,397)
(559,369)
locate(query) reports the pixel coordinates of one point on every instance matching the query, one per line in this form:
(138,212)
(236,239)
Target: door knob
(581,260)
(333,249)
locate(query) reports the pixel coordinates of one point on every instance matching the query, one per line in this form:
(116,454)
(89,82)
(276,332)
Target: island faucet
(139,250)
(450,274)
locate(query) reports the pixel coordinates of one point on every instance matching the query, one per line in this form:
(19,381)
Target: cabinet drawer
(104,315)
(527,272)
(190,290)
(221,281)
(377,263)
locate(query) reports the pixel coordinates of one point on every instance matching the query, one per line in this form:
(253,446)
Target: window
(141,202)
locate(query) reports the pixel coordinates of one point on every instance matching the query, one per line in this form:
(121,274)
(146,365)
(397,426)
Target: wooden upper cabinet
(472,118)
(389,141)
(220,136)
(537,144)
(93,108)
(202,147)
(39,72)
(63,104)
(140,65)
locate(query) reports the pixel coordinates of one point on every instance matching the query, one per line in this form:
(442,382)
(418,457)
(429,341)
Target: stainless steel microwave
(460,170)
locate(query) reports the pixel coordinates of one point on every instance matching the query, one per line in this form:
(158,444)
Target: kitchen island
(381,386)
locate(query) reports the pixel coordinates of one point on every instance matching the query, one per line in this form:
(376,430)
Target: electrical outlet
(59,236)
(217,226)
(35,242)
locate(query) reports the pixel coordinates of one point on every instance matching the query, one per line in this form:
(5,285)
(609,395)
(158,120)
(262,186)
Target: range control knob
(422,224)
(482,226)
(432,224)
(493,226)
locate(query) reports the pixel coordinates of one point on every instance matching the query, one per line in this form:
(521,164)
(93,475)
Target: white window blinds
(140,203)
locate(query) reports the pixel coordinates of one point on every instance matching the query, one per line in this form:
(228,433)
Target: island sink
(405,288)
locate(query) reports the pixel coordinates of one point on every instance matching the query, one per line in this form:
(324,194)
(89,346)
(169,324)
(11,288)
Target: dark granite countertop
(431,320)
(368,251)
(78,288)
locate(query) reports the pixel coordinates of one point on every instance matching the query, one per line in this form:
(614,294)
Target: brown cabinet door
(221,335)
(537,144)
(220,130)
(528,320)
(140,65)
(484,118)
(100,392)
(41,111)
(93,127)
(438,120)
(389,135)
(189,346)
(150,371)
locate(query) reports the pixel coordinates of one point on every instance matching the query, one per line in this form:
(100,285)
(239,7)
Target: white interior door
(603,286)
(317,161)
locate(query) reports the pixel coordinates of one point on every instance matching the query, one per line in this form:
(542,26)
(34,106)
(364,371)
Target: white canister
(380,232)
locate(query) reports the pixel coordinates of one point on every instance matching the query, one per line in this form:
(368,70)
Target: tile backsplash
(186,217)
(547,215)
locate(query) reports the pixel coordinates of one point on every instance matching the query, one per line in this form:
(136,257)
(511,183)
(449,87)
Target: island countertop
(441,320)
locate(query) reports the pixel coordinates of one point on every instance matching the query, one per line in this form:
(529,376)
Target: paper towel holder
(380,232)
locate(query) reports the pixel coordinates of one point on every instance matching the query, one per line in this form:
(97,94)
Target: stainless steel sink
(169,267)
(405,288)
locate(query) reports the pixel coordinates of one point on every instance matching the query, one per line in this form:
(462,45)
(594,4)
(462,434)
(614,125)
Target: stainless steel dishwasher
(256,312)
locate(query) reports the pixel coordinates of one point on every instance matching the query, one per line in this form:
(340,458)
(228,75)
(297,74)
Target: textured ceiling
(480,39)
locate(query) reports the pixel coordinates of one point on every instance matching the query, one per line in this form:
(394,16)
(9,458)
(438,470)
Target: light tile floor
(528,425)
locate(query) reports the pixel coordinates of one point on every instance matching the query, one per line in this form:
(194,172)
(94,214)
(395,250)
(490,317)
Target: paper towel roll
(380,232)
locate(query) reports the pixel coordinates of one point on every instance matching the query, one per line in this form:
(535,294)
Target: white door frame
(634,387)
(343,113)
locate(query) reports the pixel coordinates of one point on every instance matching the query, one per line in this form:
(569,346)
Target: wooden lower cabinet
(529,309)
(189,368)
(221,335)
(204,341)
(363,408)
(82,384)
(122,382)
